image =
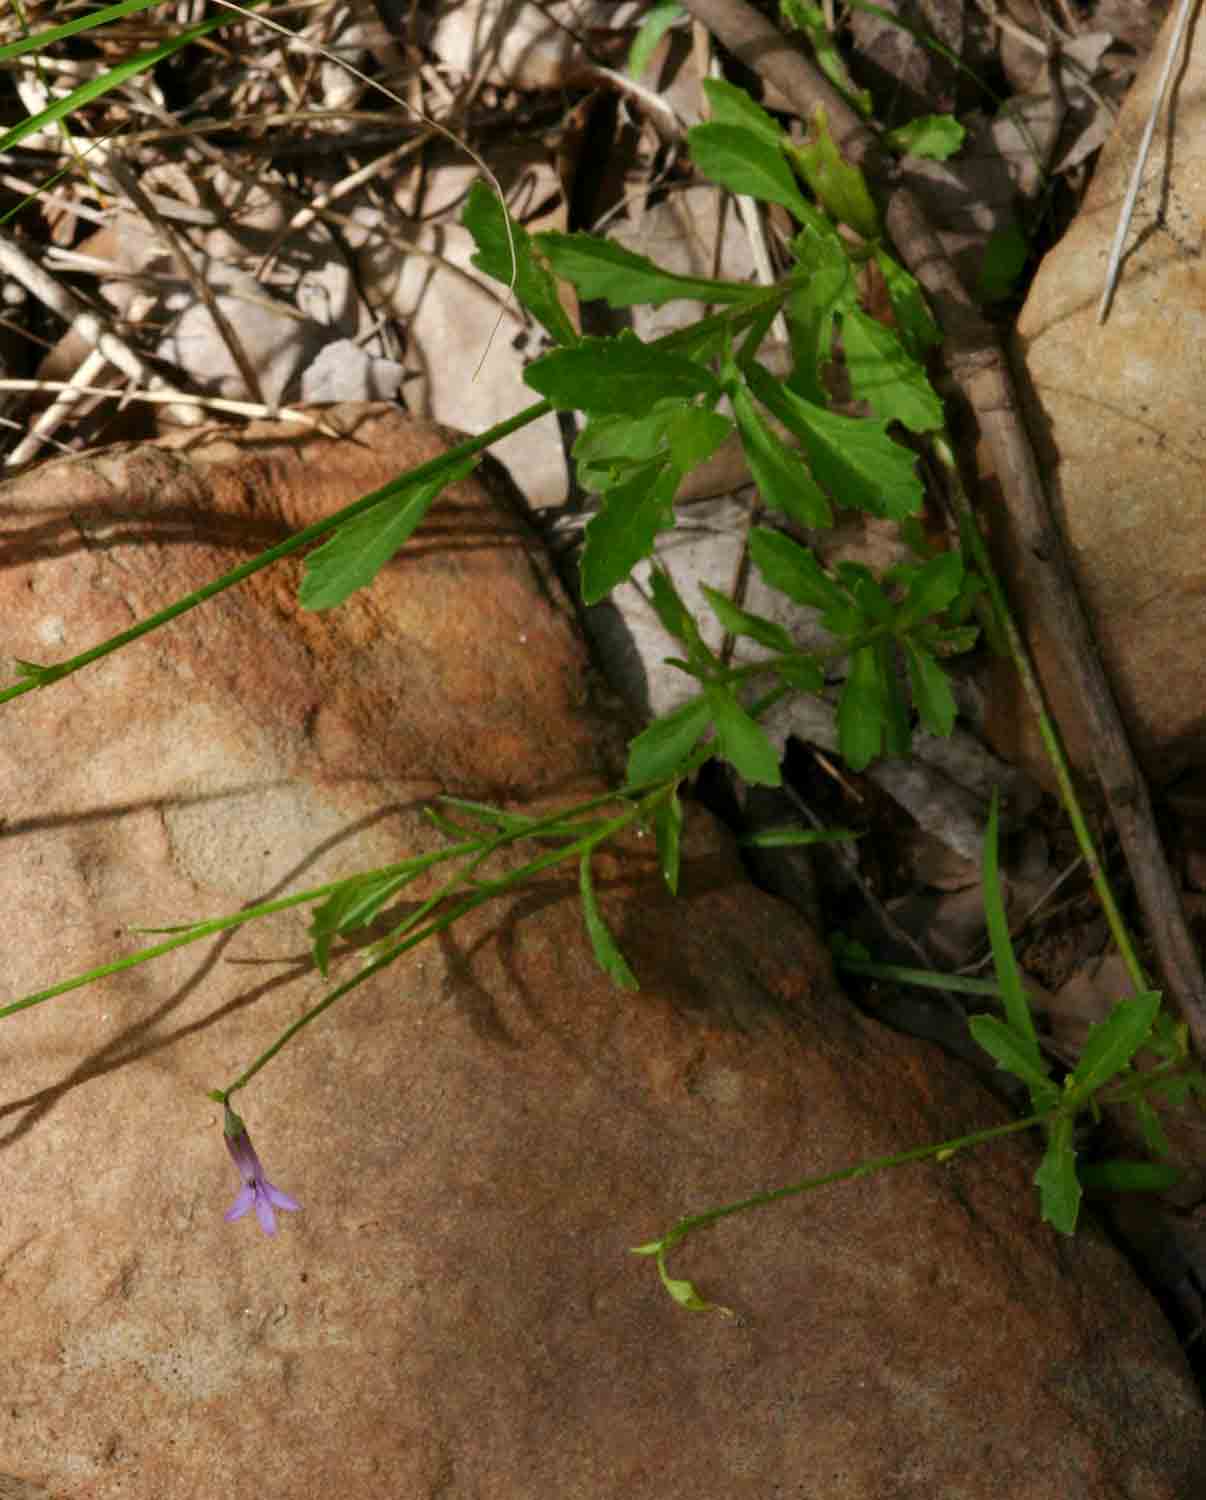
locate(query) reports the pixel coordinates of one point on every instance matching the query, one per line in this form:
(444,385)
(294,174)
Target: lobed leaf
(744,161)
(741,622)
(741,740)
(782,477)
(502,256)
(624,529)
(793,570)
(1112,1043)
(853,458)
(886,376)
(662,749)
(620,376)
(600,268)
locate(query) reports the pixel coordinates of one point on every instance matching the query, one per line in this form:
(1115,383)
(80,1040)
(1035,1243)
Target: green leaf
(658,21)
(862,709)
(914,322)
(624,530)
(694,434)
(827,289)
(883,374)
(738,621)
(1008,1051)
(352,906)
(804,673)
(1009,977)
(609,449)
(1129,1177)
(486,219)
(811,19)
(1111,1044)
(741,740)
(933,137)
(932,696)
(934,586)
(661,750)
(839,185)
(1056,1179)
(853,459)
(793,570)
(668,827)
(1005,258)
(357,551)
(602,269)
(1154,1137)
(782,476)
(674,616)
(607,955)
(744,162)
(791,838)
(620,375)
(729,105)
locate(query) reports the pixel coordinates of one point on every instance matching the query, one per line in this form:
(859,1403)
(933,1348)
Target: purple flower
(256,1188)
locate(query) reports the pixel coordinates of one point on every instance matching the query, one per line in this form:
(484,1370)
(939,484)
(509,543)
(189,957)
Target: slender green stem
(973,539)
(924,978)
(478,897)
(424,474)
(690,1224)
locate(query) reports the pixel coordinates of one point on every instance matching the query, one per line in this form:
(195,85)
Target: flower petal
(264,1213)
(241,1204)
(282,1200)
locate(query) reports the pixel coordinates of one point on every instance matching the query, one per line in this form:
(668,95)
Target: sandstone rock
(479,1134)
(1119,421)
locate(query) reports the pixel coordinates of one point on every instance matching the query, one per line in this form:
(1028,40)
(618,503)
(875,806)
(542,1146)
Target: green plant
(652,413)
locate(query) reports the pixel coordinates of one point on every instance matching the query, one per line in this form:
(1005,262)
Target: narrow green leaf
(792,838)
(853,459)
(741,740)
(661,750)
(744,162)
(357,551)
(862,710)
(898,738)
(741,622)
(782,476)
(1009,977)
(811,20)
(914,322)
(668,828)
(624,529)
(658,21)
(1056,1179)
(1129,1176)
(1005,258)
(1010,1052)
(883,374)
(619,375)
(607,955)
(804,673)
(793,570)
(602,269)
(932,695)
(694,434)
(934,586)
(1154,1137)
(729,105)
(837,183)
(932,137)
(673,615)
(352,906)
(1113,1043)
(486,219)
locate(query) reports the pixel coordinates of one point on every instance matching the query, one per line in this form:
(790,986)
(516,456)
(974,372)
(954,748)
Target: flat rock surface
(478,1135)
(1120,423)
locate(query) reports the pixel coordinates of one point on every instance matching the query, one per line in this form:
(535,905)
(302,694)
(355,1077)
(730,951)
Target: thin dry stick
(1128,208)
(979,366)
(182,258)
